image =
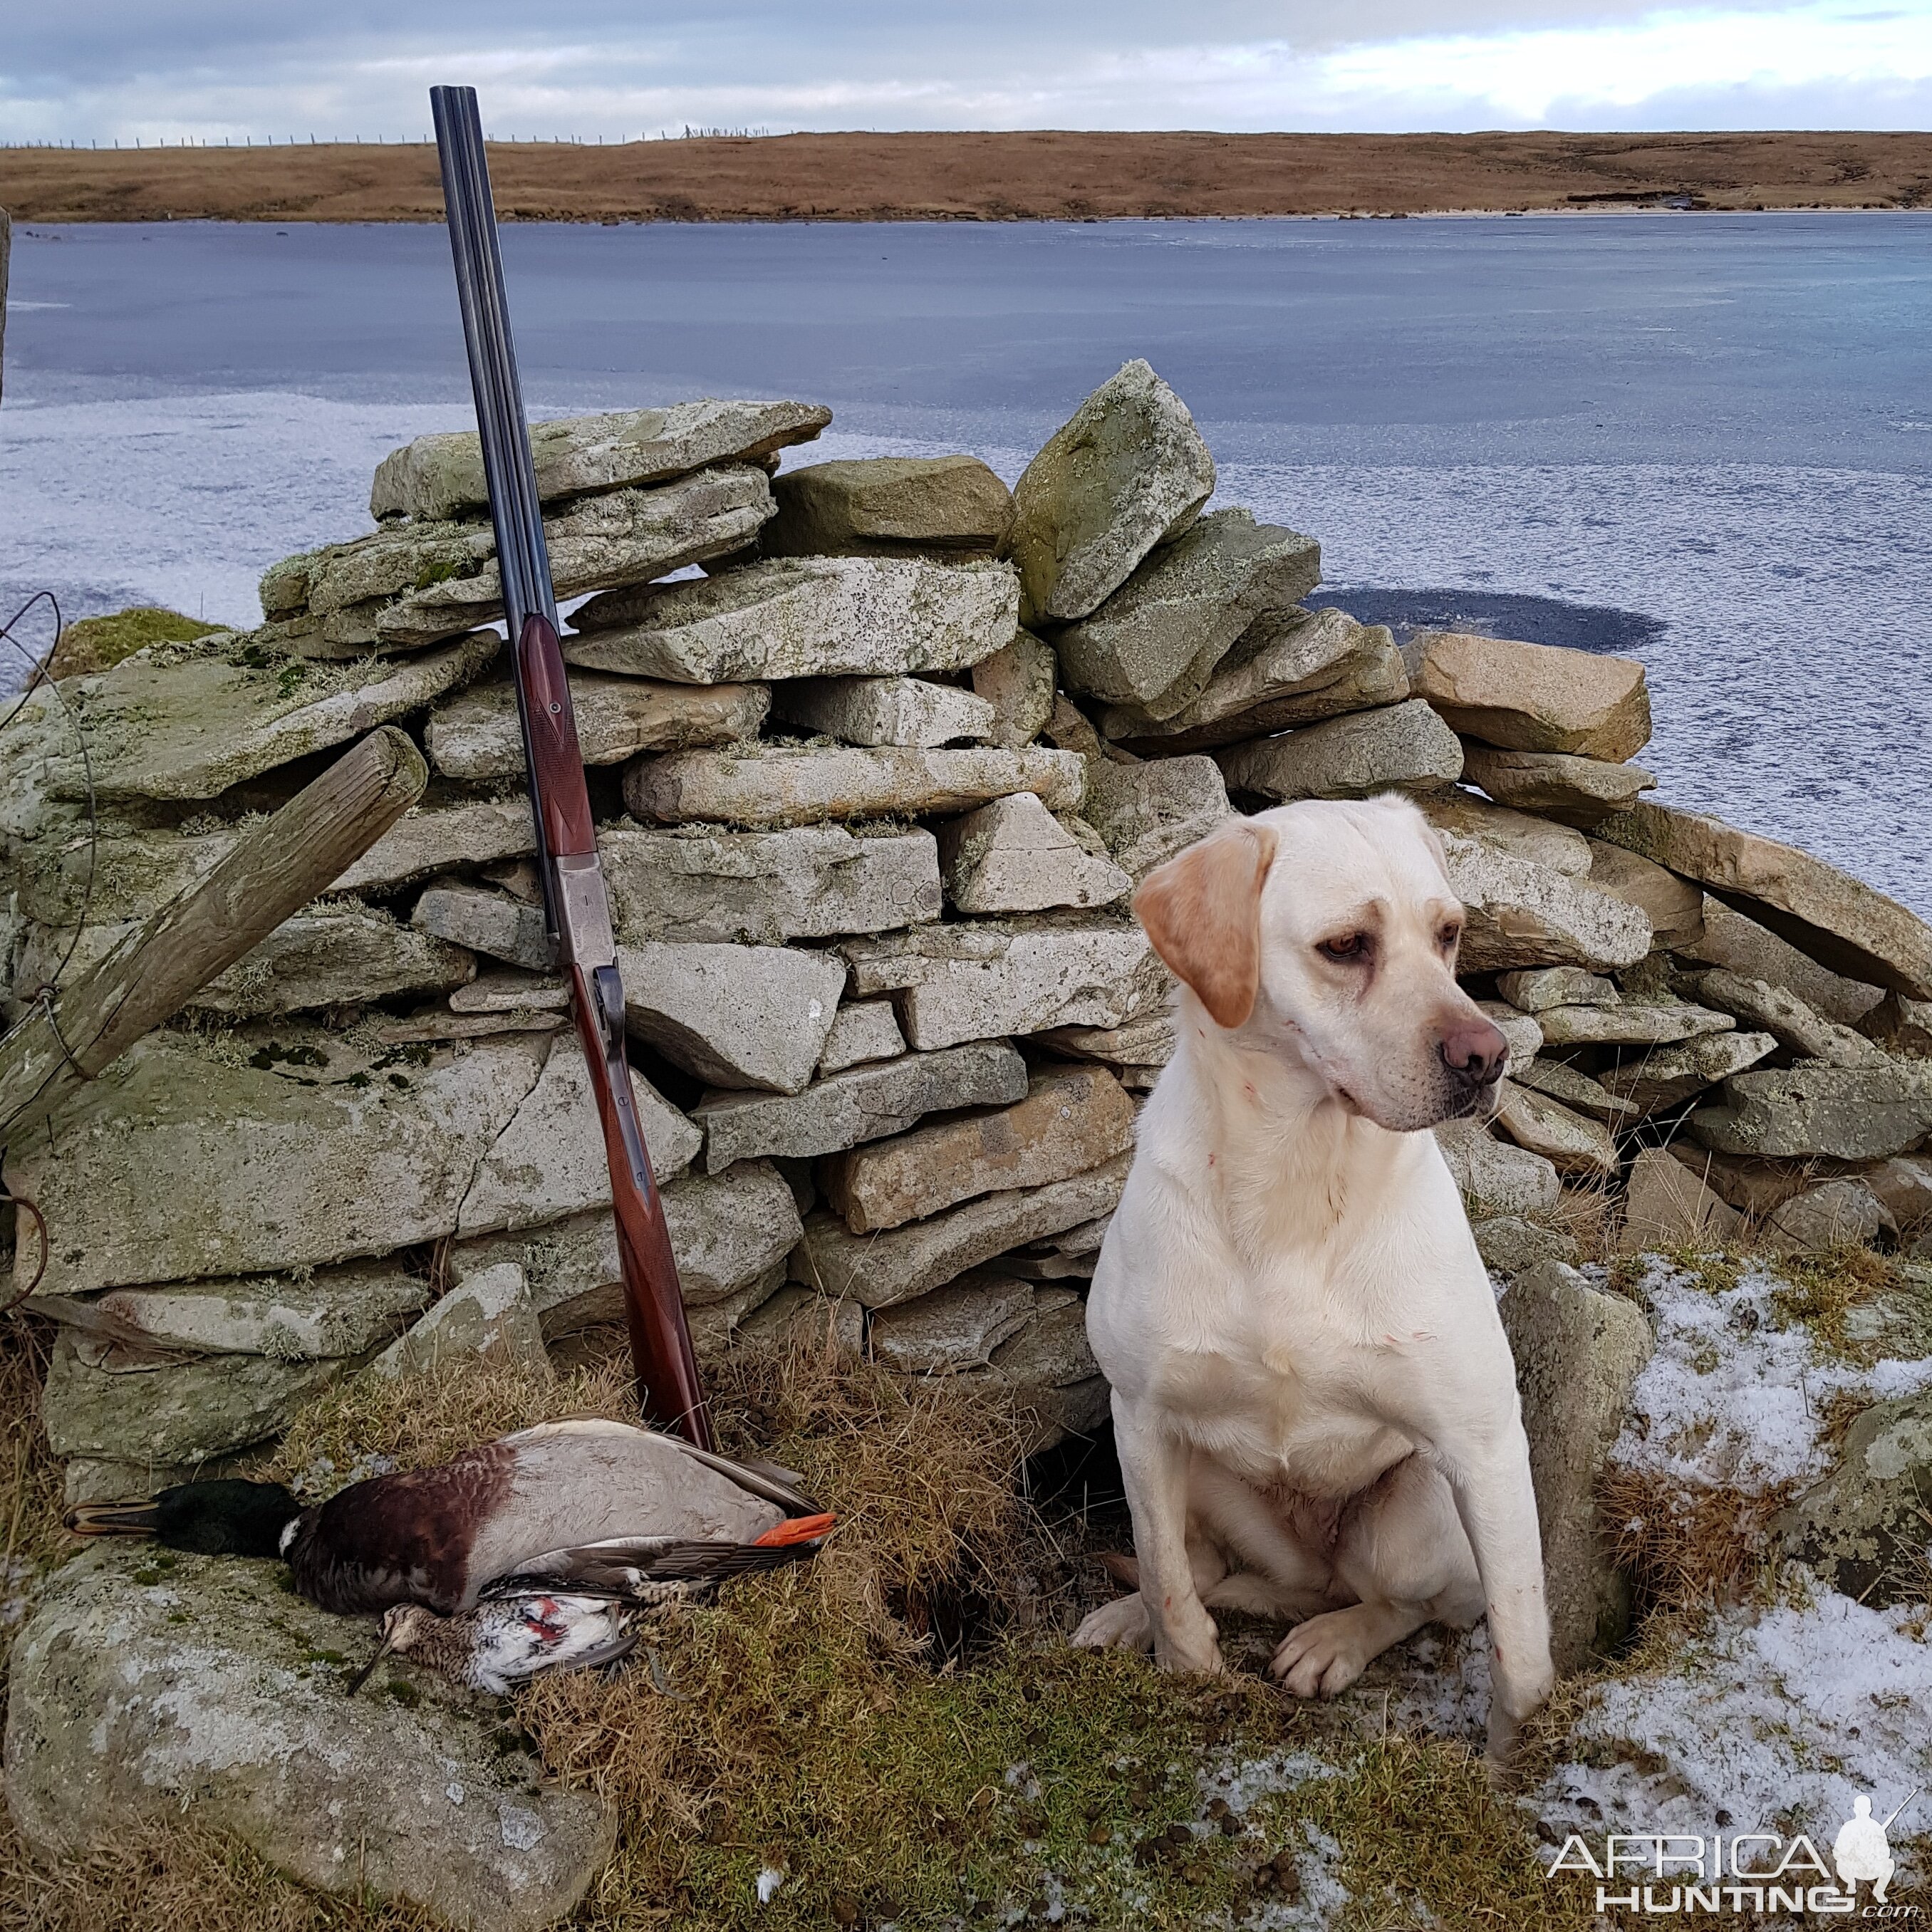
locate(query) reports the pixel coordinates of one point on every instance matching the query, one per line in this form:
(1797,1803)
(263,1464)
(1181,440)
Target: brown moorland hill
(1045,175)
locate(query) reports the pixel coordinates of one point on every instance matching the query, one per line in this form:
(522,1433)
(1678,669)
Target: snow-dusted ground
(1733,1398)
(1240,1782)
(1774,1716)
(1441,1686)
(1772,1719)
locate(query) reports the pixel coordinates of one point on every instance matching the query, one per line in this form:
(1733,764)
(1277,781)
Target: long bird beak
(368,1670)
(111,1520)
(796,1529)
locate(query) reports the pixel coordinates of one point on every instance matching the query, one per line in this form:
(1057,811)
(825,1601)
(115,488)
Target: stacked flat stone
(874,790)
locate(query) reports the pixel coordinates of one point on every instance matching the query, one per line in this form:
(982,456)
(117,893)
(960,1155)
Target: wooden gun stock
(661,1351)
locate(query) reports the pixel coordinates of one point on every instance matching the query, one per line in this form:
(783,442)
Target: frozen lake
(1702,440)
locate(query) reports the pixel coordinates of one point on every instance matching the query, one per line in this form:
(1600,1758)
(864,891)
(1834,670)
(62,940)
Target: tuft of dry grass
(1685,1546)
(415,1420)
(32,1539)
(178,1876)
(921,1473)
(1587,1211)
(921,1476)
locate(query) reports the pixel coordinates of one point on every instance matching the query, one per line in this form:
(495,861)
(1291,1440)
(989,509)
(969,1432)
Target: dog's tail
(1123,1570)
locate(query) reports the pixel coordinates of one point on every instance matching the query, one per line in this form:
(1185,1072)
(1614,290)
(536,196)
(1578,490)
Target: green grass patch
(1822,1290)
(1037,1778)
(1426,1841)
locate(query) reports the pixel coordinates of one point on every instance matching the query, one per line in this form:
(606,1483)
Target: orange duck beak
(796,1529)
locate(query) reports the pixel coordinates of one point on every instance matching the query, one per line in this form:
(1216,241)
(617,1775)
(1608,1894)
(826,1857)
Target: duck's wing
(576,1425)
(615,1567)
(768,1480)
(641,1569)
(772,1480)
(583,1656)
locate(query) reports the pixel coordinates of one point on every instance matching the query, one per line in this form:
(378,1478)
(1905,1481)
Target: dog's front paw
(1503,1756)
(1193,1646)
(1122,1624)
(1507,1737)
(1323,1656)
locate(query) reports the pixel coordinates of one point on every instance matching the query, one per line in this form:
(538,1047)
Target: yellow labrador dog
(1314,1403)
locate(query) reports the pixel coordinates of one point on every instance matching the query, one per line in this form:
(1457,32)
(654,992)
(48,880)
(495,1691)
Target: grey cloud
(1826,104)
(216,43)
(615,69)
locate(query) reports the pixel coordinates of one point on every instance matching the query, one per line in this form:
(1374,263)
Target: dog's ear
(1203,912)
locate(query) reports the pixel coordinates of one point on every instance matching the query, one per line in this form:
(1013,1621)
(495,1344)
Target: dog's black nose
(1475,1051)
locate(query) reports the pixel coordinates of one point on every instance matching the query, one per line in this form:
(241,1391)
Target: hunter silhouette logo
(1861,1851)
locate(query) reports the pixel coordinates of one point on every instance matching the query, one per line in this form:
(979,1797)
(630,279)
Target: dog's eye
(1448,936)
(1350,945)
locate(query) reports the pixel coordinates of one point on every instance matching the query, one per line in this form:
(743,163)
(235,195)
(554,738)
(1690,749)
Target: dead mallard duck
(538,1550)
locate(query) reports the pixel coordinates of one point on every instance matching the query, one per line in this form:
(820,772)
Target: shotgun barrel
(577,908)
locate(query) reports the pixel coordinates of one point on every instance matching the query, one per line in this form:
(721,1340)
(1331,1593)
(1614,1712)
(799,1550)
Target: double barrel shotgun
(576,909)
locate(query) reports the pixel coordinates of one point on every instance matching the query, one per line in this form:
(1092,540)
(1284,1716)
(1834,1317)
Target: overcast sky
(108,70)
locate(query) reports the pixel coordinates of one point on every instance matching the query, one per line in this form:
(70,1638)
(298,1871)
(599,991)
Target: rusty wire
(43,995)
(47,1252)
(39,676)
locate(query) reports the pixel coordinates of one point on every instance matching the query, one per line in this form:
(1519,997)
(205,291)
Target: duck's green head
(224,1518)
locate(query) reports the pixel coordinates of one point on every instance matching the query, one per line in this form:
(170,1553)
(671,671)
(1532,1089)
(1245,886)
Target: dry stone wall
(876,779)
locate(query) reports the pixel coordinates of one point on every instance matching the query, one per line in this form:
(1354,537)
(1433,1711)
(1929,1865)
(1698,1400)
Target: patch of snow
(1776,1720)
(1241,1781)
(1729,1399)
(1323,1894)
(1442,1684)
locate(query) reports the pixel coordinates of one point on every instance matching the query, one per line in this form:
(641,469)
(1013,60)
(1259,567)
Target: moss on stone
(94,643)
